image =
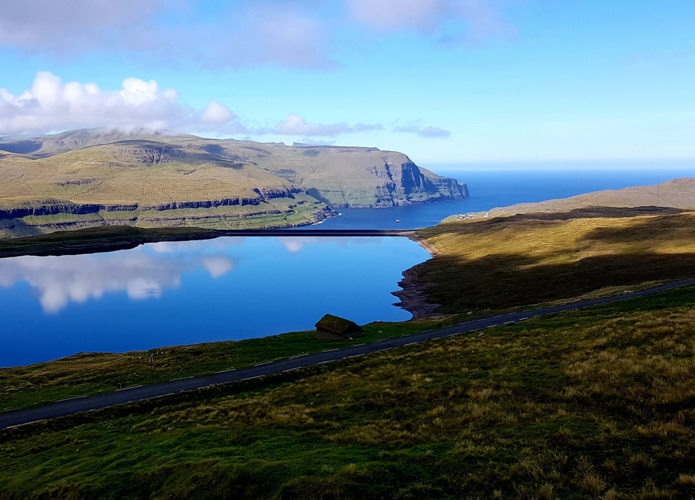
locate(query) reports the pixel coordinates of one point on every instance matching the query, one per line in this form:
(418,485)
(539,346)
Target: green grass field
(91,373)
(591,404)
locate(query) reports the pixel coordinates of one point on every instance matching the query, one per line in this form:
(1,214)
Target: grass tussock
(597,404)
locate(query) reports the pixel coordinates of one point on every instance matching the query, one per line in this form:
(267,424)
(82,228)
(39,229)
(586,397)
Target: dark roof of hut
(336,324)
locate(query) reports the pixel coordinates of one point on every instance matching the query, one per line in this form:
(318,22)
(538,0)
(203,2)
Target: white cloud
(53,105)
(278,33)
(480,17)
(142,273)
(398,14)
(430,132)
(217,265)
(169,32)
(74,25)
(216,245)
(58,281)
(216,113)
(294,245)
(296,125)
(297,33)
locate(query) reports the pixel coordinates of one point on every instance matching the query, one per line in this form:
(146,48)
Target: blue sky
(445,81)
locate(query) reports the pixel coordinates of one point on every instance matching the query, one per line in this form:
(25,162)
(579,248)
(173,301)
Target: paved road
(134,394)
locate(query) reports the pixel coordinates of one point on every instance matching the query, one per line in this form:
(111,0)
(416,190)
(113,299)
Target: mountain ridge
(92,178)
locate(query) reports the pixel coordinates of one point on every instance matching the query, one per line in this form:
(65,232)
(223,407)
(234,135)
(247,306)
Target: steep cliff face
(366,177)
(413,184)
(89,178)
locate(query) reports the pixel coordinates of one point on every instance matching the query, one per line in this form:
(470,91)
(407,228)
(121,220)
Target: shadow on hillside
(669,227)
(501,282)
(508,280)
(18,228)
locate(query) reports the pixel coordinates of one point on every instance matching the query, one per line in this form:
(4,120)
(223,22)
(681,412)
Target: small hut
(336,328)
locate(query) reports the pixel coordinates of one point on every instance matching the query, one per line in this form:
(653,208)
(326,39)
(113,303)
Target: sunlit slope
(141,172)
(592,404)
(94,177)
(147,184)
(339,176)
(350,177)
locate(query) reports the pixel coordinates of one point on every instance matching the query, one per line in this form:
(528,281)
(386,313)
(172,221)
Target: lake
(197,291)
(235,288)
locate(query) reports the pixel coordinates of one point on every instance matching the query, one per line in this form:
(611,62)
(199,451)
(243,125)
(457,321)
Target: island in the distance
(97,178)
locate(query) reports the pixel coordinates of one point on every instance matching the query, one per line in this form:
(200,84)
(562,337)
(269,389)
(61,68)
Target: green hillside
(98,178)
(583,405)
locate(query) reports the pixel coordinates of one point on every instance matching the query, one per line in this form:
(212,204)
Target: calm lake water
(190,292)
(236,288)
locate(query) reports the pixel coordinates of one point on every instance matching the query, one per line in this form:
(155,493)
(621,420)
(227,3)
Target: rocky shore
(412,296)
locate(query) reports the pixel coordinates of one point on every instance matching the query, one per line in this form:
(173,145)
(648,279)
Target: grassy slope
(588,404)
(337,175)
(673,194)
(531,258)
(119,173)
(128,174)
(110,168)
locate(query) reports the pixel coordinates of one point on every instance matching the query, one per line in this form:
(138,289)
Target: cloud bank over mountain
(52,104)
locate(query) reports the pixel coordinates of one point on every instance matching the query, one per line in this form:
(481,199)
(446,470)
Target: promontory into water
(96,178)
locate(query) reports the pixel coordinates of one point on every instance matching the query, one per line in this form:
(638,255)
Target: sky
(444,81)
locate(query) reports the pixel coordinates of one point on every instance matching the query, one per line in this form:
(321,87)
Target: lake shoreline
(227,284)
(412,296)
(113,239)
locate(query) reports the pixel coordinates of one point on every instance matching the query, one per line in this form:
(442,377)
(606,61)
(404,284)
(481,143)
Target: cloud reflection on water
(141,274)
(192,292)
(294,244)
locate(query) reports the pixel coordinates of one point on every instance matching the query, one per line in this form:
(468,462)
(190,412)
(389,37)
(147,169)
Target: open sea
(497,186)
(234,288)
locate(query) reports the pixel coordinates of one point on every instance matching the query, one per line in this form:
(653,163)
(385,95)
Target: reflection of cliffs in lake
(189,292)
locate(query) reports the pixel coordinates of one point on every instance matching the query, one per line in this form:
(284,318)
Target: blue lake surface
(235,288)
(190,292)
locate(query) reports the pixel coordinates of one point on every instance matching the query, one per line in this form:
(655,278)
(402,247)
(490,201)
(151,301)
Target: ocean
(491,187)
